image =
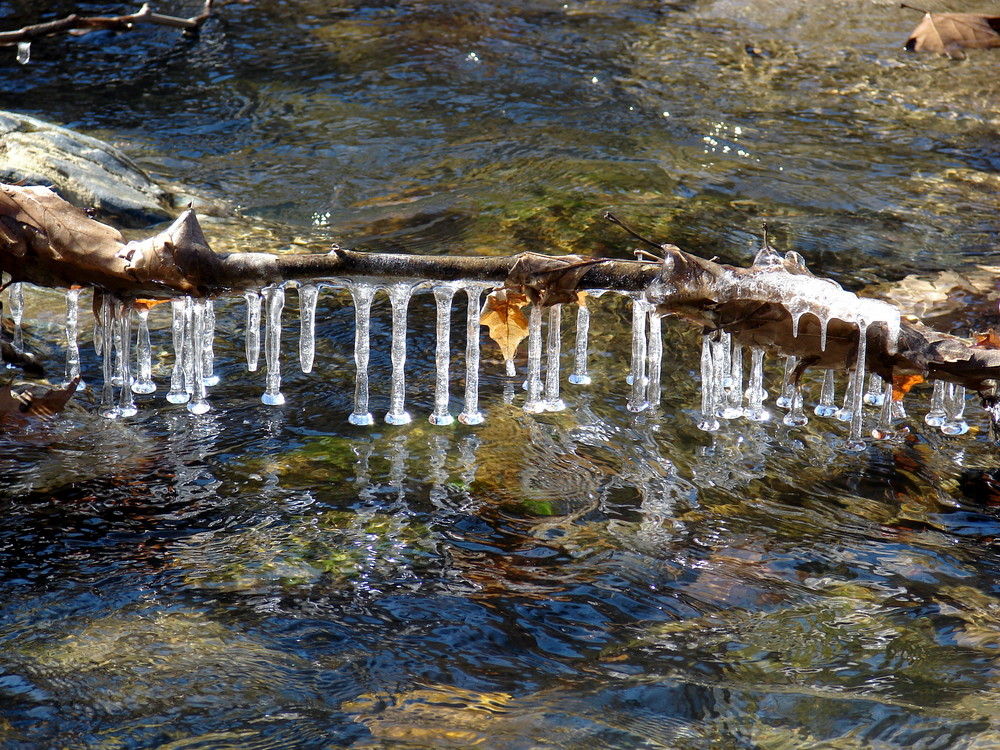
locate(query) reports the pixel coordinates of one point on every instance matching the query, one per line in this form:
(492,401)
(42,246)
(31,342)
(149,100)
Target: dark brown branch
(74,24)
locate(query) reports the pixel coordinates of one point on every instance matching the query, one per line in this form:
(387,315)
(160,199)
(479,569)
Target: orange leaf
(502,315)
(987,340)
(901,385)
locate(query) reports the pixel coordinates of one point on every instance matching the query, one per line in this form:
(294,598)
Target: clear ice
(253,330)
(143,382)
(72,337)
(937,414)
(178,393)
(197,325)
(470,411)
(579,375)
(873,396)
(15,297)
(827,406)
(654,358)
(954,404)
(787,383)
(553,344)
(122,312)
(637,376)
(308,295)
(732,396)
(756,394)
(362,294)
(274,300)
(208,344)
(855,441)
(24,52)
(533,401)
(399,298)
(709,405)
(443,296)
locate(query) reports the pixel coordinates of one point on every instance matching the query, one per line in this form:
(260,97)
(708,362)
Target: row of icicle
(722,362)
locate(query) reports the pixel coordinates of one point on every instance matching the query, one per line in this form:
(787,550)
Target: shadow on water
(265,577)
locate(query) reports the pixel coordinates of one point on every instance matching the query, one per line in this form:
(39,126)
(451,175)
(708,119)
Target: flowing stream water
(366,543)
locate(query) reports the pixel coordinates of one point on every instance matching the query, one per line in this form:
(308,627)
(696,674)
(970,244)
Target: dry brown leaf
(952,33)
(987,340)
(502,315)
(902,384)
(549,280)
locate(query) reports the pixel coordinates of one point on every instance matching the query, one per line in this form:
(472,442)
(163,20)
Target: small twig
(74,24)
(919,10)
(615,220)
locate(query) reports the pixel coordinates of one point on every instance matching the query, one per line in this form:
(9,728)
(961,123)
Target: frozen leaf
(508,325)
(549,280)
(952,33)
(25,403)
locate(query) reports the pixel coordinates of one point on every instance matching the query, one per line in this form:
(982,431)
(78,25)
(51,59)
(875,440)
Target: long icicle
(208,344)
(709,421)
(637,376)
(109,408)
(855,441)
(274,299)
(399,299)
(732,401)
(72,337)
(15,296)
(654,359)
(443,296)
(308,296)
(143,382)
(196,333)
(553,347)
(123,321)
(579,375)
(756,393)
(471,414)
(178,393)
(362,294)
(533,401)
(253,329)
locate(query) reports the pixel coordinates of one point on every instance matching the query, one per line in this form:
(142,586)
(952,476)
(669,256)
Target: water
(261,576)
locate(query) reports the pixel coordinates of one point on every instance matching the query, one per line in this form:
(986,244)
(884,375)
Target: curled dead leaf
(952,33)
(508,325)
(25,403)
(549,280)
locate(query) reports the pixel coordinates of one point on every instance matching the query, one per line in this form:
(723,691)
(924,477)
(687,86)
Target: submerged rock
(85,171)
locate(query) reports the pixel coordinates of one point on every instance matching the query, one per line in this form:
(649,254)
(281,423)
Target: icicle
(106,323)
(208,344)
(873,396)
(15,297)
(362,294)
(274,299)
(198,312)
(579,375)
(796,416)
(936,415)
(795,323)
(553,346)
(399,298)
(443,296)
(827,407)
(123,338)
(787,383)
(732,397)
(755,393)
(954,404)
(308,295)
(823,323)
(24,52)
(654,359)
(637,377)
(253,330)
(721,369)
(708,404)
(72,335)
(143,382)
(533,401)
(846,412)
(178,393)
(884,429)
(855,441)
(470,410)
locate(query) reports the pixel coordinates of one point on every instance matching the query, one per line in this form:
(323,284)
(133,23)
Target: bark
(774,304)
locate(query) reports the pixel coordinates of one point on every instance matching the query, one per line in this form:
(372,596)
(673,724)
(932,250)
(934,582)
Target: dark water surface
(272,577)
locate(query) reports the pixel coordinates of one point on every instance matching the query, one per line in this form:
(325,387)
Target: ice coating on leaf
(253,330)
(72,337)
(308,295)
(143,382)
(470,411)
(274,300)
(579,375)
(553,345)
(533,402)
(362,294)
(443,296)
(399,298)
